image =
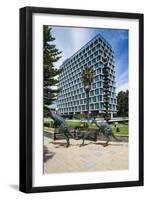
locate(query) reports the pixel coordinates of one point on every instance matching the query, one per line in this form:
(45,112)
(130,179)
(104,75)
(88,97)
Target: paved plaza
(91,157)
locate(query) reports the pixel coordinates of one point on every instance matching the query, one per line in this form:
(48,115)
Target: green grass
(73,124)
(123,131)
(81,124)
(47,119)
(122,127)
(48,129)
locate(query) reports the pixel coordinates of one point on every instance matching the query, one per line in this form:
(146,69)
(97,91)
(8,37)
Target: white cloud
(79,37)
(122,87)
(123,36)
(70,40)
(122,82)
(122,78)
(63,42)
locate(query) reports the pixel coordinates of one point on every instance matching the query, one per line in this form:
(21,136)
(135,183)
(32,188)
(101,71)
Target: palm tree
(87,77)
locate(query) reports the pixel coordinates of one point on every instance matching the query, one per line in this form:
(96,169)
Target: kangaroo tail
(119,140)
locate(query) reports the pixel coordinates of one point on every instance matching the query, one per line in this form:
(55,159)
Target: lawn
(47,129)
(123,129)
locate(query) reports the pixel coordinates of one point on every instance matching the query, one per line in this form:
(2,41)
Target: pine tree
(50,56)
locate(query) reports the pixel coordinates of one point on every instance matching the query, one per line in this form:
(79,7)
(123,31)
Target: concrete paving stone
(91,157)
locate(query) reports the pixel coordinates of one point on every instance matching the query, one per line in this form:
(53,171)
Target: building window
(83,107)
(91,106)
(79,108)
(81,90)
(97,106)
(91,57)
(99,84)
(91,93)
(96,91)
(93,61)
(87,59)
(100,98)
(83,95)
(97,78)
(85,101)
(98,71)
(101,91)
(94,85)
(81,101)
(94,99)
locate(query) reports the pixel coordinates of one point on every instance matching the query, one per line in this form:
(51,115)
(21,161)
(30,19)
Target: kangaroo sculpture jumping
(104,128)
(63,126)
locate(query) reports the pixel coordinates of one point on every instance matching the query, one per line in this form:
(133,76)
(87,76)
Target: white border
(39,179)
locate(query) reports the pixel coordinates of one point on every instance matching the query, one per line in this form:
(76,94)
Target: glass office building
(72,97)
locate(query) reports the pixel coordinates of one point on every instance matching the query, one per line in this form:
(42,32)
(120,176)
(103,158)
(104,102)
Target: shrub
(78,116)
(117,129)
(46,124)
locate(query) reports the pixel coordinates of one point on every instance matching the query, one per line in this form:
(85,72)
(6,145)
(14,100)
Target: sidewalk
(91,157)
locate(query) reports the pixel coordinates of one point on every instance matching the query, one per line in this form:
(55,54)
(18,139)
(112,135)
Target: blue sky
(71,39)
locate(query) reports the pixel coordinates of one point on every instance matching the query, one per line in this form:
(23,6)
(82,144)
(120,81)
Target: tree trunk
(87,95)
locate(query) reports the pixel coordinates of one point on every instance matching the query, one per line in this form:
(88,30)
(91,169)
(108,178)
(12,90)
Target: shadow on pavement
(47,154)
(59,143)
(104,144)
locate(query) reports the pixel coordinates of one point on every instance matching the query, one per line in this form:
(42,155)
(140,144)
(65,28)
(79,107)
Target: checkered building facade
(72,97)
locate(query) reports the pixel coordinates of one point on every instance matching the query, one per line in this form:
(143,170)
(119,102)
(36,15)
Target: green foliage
(87,77)
(117,129)
(49,124)
(122,103)
(45,111)
(78,116)
(50,56)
